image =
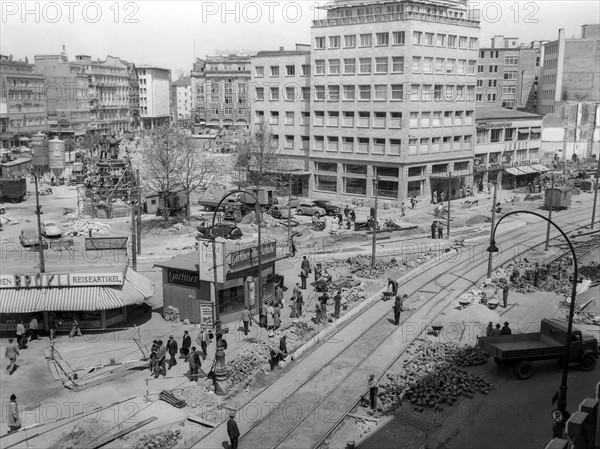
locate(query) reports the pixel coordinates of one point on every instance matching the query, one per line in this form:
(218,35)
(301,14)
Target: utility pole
(489,270)
(133,231)
(374,245)
(549,213)
(139,213)
(449,193)
(591,148)
(289,220)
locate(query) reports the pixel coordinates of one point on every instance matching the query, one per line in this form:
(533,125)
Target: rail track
(322,400)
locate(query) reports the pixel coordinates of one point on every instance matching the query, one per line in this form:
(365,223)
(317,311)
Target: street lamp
(39,223)
(559,427)
(220,371)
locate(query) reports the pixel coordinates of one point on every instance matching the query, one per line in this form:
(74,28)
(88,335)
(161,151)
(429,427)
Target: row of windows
(353,169)
(274,72)
(368,145)
(508,134)
(216,111)
(366,119)
(385,39)
(377,92)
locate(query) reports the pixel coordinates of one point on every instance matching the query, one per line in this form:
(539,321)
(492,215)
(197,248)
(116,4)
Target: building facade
(280,97)
(510,142)
(393,98)
(22,101)
(155,96)
(570,95)
(181,99)
(508,74)
(219,92)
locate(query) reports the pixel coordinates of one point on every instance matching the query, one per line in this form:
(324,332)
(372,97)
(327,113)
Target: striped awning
(135,290)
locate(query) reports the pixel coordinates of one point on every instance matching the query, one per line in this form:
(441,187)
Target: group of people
(270,315)
(110,146)
(399,301)
(437,227)
(493,331)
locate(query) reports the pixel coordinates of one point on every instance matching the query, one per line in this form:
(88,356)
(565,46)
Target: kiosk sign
(206,315)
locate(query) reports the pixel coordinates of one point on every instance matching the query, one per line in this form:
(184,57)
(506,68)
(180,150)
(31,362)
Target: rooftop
(185,82)
(500,113)
(189,261)
(282,53)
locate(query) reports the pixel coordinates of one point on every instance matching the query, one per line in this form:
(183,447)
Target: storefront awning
(513,171)
(540,168)
(536,130)
(135,290)
(527,170)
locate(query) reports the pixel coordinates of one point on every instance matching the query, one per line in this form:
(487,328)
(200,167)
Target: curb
(325,333)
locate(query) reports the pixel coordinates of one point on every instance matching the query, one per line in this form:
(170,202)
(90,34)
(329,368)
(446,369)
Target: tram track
(278,432)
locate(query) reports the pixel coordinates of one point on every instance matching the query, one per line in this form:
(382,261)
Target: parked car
(278,211)
(29,237)
(309,207)
(51,229)
(295,202)
(330,208)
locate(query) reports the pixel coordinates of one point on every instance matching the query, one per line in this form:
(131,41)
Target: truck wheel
(587,362)
(523,370)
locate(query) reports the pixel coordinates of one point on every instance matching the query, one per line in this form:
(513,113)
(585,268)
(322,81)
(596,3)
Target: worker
(305,271)
(433,228)
(246,319)
(392,283)
(489,329)
(186,343)
(153,353)
(397,309)
(283,348)
(161,355)
(195,364)
(232,431)
(14,421)
(505,329)
(505,289)
(440,230)
(318,271)
(337,299)
(33,328)
(496,331)
(373,390)
(21,335)
(75,330)
(11,352)
(299,304)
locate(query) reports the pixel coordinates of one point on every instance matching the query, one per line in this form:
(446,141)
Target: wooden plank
(101,380)
(201,420)
(120,434)
(368,418)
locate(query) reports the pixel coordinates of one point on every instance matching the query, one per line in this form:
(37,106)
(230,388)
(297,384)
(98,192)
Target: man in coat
(433,229)
(440,230)
(233,431)
(33,328)
(283,348)
(153,356)
(14,421)
(304,271)
(172,348)
(392,283)
(299,304)
(279,295)
(397,309)
(186,343)
(11,353)
(195,364)
(505,329)
(21,335)
(246,319)
(161,355)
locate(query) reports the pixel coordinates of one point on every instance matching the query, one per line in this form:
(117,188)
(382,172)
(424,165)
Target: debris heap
(171,314)
(361,266)
(162,440)
(83,227)
(432,377)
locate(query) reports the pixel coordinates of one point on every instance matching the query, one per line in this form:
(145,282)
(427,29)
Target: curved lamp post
(221,373)
(39,223)
(559,427)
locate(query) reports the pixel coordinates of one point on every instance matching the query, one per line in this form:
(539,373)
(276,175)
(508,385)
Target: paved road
(297,413)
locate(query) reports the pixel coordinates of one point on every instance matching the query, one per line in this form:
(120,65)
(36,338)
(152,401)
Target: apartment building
(155,96)
(280,96)
(22,101)
(393,98)
(181,99)
(219,92)
(570,94)
(508,74)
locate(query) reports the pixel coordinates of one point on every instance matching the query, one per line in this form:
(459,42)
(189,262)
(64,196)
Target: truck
(519,350)
(13,190)
(13,169)
(266,196)
(230,202)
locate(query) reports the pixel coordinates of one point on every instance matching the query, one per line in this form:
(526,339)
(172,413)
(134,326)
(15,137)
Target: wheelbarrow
(436,328)
(386,295)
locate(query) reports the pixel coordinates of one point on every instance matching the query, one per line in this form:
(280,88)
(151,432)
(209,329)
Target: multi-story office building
(508,73)
(393,98)
(181,99)
(508,142)
(280,96)
(155,96)
(570,93)
(22,101)
(219,92)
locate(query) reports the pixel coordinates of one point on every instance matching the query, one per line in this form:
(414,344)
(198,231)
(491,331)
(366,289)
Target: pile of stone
(83,227)
(162,440)
(171,313)
(354,294)
(361,266)
(432,377)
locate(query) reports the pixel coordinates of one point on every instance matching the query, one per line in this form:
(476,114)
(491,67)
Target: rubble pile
(432,377)
(162,440)
(361,266)
(591,271)
(171,313)
(353,294)
(83,227)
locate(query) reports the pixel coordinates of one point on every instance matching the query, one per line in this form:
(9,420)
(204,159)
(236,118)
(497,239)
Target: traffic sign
(557,415)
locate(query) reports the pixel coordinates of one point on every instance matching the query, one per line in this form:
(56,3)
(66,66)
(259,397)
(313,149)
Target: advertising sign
(184,278)
(206,315)
(206,261)
(246,258)
(94,279)
(49,280)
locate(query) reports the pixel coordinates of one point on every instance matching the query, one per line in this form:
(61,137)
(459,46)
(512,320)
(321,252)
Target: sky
(171,34)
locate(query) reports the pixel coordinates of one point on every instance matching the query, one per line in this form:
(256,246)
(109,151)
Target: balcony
(376,18)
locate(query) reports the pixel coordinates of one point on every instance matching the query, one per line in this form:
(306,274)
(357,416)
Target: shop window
(414,188)
(326,183)
(388,189)
(355,186)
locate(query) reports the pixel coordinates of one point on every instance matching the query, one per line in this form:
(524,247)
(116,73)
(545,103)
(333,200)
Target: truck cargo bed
(521,347)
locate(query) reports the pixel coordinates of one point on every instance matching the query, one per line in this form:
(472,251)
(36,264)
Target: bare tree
(160,163)
(195,166)
(257,162)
